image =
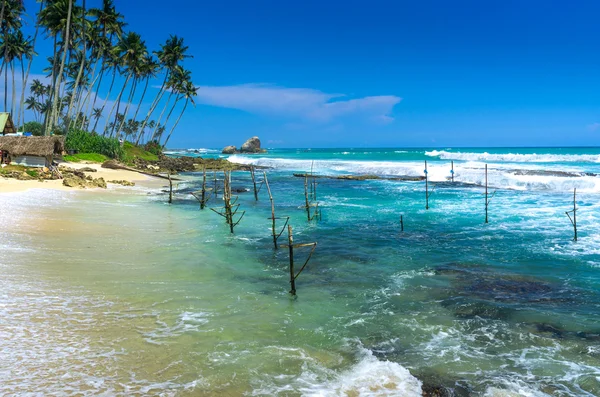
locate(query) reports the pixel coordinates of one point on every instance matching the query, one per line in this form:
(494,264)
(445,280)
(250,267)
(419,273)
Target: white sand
(10,185)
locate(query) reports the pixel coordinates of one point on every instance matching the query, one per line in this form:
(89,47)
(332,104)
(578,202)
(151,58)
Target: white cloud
(299,103)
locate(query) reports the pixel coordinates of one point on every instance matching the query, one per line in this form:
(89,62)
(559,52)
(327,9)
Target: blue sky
(383,73)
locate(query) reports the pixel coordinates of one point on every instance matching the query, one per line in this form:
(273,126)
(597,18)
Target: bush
(153,147)
(90,143)
(34,127)
(32,173)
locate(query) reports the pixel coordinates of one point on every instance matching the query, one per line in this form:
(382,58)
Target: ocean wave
(515,157)
(537,178)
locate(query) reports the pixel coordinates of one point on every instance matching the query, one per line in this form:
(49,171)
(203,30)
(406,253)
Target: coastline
(11,185)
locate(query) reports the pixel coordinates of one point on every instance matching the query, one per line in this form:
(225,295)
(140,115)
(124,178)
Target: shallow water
(123,294)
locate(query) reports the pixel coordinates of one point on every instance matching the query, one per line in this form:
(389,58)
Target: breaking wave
(515,157)
(500,177)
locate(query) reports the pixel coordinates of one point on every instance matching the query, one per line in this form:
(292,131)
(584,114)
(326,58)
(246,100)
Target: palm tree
(130,50)
(189,91)
(53,18)
(108,23)
(96,114)
(34,105)
(27,52)
(169,56)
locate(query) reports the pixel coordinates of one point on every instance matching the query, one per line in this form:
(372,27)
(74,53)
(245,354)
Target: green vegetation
(32,173)
(85,142)
(132,151)
(92,54)
(92,157)
(37,129)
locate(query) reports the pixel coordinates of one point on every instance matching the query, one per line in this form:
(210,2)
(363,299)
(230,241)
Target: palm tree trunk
(131,94)
(156,101)
(6,88)
(13,107)
(177,99)
(118,105)
(26,79)
(73,95)
(54,112)
(137,141)
(53,78)
(176,122)
(21,108)
(106,99)
(86,102)
(163,112)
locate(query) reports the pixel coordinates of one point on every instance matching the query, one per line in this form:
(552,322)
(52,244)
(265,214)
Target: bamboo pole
(575,214)
(273,218)
(486,194)
(254,182)
(203,200)
(426,187)
(170,188)
(291,250)
(574,211)
(307,204)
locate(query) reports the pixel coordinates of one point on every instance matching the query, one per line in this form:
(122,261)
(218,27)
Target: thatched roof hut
(43,146)
(6,124)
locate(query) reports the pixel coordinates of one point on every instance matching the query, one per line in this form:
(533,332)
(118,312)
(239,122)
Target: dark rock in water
(252,145)
(87,169)
(547,328)
(467,309)
(364,177)
(435,385)
(239,189)
(229,150)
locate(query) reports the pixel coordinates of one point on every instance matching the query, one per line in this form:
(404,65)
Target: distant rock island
(252,145)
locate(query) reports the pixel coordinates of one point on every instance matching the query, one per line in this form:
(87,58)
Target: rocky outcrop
(252,145)
(229,150)
(73,180)
(122,182)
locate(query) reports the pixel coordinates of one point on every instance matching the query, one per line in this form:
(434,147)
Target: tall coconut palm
(26,52)
(149,70)
(110,24)
(189,92)
(130,50)
(53,18)
(170,55)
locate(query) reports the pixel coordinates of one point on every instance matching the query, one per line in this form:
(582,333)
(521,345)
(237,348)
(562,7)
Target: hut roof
(32,145)
(6,124)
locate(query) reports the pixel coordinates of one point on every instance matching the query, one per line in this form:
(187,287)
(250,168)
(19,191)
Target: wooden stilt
(401,223)
(426,188)
(170,188)
(574,218)
(254,182)
(487,201)
(307,203)
(291,250)
(291,246)
(203,200)
(230,208)
(486,195)
(273,218)
(452,170)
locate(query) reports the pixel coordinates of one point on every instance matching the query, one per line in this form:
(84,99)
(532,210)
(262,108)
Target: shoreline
(11,185)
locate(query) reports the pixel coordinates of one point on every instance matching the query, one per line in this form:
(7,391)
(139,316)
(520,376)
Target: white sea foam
(515,157)
(504,176)
(369,377)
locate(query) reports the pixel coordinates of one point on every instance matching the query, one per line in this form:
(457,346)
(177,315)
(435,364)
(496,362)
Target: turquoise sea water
(149,298)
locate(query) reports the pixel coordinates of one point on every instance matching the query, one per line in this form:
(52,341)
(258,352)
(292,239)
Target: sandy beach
(10,185)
